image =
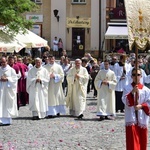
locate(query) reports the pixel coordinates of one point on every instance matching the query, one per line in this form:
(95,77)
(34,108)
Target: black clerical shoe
(101,118)
(109,118)
(49,117)
(122,111)
(58,114)
(106,117)
(80,116)
(35,118)
(1,124)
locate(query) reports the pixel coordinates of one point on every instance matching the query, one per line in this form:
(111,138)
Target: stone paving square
(64,132)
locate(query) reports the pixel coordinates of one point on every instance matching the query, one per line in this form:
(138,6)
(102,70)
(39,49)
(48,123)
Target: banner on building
(138,22)
(35,18)
(78,23)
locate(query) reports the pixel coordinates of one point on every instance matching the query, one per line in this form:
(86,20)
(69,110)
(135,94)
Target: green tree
(12,14)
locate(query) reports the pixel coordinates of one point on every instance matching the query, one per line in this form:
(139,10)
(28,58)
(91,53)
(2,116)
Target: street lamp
(56,14)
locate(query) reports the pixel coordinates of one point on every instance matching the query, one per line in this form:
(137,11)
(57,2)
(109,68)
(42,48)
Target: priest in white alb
(8,90)
(77,79)
(37,87)
(105,83)
(56,98)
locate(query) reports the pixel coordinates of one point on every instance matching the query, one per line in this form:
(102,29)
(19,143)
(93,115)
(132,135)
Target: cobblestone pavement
(64,132)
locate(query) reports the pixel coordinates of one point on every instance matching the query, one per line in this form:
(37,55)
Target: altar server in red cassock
(136,114)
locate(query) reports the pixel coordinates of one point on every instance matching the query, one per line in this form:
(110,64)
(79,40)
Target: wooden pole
(136,69)
(136,61)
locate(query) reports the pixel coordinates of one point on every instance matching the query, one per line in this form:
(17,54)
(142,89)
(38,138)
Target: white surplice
(56,98)
(38,92)
(77,91)
(8,95)
(136,122)
(130,117)
(106,93)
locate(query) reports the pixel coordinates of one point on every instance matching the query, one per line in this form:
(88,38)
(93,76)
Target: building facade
(116,36)
(81,24)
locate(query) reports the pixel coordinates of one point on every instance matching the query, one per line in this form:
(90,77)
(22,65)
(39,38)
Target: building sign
(35,18)
(78,23)
(119,13)
(36,28)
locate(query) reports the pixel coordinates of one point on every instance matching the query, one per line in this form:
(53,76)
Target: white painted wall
(58,28)
(94,24)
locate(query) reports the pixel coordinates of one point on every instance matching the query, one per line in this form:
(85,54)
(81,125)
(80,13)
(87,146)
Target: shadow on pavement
(92,103)
(87,119)
(65,116)
(90,99)
(120,116)
(23,118)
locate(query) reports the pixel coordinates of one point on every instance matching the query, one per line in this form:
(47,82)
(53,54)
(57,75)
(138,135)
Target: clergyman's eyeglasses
(135,74)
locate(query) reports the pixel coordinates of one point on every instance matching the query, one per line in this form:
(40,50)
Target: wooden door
(78,42)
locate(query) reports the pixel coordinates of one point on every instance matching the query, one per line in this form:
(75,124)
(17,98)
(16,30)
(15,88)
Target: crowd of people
(48,87)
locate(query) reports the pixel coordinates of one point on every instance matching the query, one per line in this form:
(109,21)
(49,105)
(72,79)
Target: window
(37,1)
(120,3)
(78,2)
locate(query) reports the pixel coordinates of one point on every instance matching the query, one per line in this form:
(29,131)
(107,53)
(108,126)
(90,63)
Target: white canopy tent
(31,39)
(11,47)
(9,44)
(116,32)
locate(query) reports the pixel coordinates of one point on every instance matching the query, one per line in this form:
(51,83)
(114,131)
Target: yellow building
(81,24)
(75,21)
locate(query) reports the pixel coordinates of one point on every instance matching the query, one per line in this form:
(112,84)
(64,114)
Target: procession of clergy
(48,87)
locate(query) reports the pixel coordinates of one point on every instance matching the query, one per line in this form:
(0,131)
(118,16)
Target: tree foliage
(12,13)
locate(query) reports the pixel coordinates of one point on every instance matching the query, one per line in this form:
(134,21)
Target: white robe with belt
(8,95)
(106,93)
(56,98)
(38,92)
(77,91)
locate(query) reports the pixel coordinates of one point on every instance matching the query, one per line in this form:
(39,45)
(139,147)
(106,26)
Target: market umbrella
(31,39)
(9,44)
